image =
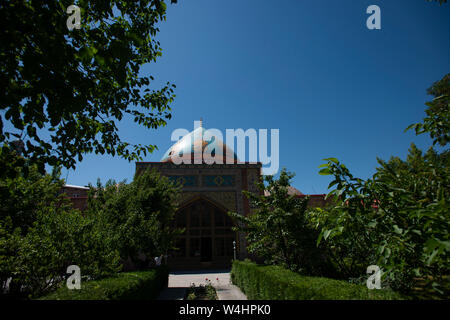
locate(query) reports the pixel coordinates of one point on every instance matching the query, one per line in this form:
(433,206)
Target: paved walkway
(179,281)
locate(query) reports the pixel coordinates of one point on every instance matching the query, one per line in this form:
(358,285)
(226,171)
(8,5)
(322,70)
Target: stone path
(179,281)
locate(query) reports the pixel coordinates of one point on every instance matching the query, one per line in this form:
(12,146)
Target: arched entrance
(208,237)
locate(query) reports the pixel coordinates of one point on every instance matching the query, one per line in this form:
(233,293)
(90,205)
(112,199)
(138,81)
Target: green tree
(41,235)
(345,226)
(137,216)
(398,219)
(421,184)
(65,91)
(60,237)
(277,229)
(437,121)
(22,196)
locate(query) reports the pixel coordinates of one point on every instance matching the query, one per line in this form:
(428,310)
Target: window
(224,246)
(203,220)
(224,231)
(181,219)
(218,218)
(229,247)
(228,221)
(195,233)
(194,247)
(206,218)
(195,218)
(220,247)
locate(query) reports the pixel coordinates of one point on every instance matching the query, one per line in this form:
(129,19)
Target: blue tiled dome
(194,143)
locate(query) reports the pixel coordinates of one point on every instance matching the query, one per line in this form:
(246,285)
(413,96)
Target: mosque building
(209,191)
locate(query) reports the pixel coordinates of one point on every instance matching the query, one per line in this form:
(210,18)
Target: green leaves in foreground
(399,219)
(437,120)
(41,235)
(137,216)
(278,229)
(64,92)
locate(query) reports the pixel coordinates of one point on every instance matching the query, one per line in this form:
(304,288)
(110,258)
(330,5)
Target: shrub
(276,283)
(398,220)
(278,230)
(41,235)
(201,292)
(137,217)
(58,238)
(138,285)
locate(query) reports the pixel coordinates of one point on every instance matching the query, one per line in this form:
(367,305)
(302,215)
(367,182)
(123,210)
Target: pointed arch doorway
(208,237)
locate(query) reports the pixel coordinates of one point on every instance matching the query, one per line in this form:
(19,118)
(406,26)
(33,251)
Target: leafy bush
(437,120)
(137,217)
(125,286)
(398,220)
(201,292)
(41,235)
(22,193)
(278,229)
(58,239)
(276,283)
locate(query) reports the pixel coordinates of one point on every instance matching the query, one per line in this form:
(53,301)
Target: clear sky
(311,69)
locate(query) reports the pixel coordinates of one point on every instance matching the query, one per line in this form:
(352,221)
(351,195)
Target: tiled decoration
(185,181)
(219,181)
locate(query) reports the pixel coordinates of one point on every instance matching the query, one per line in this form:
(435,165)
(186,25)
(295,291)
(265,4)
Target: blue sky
(311,69)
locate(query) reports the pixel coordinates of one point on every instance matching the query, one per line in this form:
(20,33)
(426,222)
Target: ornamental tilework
(185,181)
(219,181)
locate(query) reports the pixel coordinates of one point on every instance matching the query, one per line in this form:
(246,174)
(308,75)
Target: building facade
(209,191)
(78,195)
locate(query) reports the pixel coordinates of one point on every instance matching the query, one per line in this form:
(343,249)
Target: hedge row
(125,286)
(276,283)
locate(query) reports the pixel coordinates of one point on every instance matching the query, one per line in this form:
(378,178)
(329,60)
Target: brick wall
(78,196)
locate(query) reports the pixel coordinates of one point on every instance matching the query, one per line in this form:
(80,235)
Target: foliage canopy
(137,216)
(65,91)
(398,219)
(278,229)
(437,120)
(41,235)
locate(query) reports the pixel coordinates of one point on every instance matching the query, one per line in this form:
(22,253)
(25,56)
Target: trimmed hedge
(276,283)
(138,285)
